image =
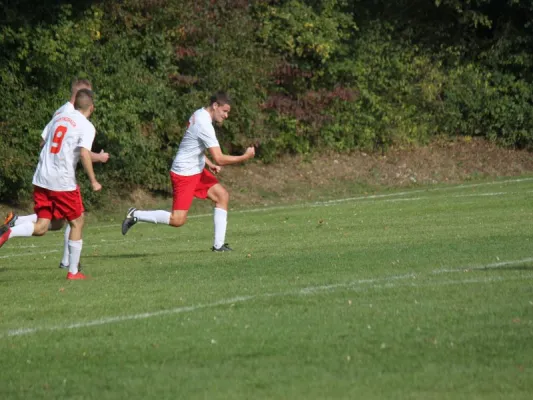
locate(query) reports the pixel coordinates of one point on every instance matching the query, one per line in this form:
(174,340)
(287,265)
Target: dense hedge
(304,74)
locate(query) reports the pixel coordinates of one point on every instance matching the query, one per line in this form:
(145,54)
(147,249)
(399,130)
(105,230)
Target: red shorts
(50,204)
(184,188)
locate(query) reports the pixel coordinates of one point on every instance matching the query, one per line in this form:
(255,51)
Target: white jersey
(67,107)
(200,135)
(67,134)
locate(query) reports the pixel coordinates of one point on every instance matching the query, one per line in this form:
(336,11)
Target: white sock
(22,230)
(66,253)
(221,221)
(75,253)
(154,217)
(26,218)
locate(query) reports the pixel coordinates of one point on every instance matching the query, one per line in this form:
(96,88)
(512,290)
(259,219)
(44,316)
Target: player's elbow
(220,160)
(85,154)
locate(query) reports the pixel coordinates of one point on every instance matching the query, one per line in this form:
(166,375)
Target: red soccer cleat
(5,231)
(79,275)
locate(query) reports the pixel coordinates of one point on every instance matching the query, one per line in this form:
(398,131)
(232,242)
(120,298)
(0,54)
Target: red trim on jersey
(50,204)
(185,188)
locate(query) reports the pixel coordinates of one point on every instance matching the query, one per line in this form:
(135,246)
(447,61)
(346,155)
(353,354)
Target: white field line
(481,194)
(377,283)
(407,199)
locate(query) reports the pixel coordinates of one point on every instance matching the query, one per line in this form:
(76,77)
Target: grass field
(419,294)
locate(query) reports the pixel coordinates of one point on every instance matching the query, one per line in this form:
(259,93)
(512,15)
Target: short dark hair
(220,98)
(78,84)
(84,99)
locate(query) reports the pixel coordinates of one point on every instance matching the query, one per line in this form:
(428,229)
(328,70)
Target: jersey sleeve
(44,134)
(207,135)
(87,137)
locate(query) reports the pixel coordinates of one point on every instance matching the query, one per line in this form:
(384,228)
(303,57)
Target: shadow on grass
(128,255)
(523,267)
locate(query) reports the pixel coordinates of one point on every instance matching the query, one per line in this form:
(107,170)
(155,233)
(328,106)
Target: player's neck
(211,112)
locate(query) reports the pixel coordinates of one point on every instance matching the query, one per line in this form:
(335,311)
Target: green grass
(419,294)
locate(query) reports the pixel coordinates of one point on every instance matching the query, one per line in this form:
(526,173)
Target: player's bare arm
(101,157)
(224,159)
(85,157)
(215,169)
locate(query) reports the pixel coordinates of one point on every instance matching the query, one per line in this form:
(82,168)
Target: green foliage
(39,60)
(297,31)
(304,75)
(480,103)
(398,84)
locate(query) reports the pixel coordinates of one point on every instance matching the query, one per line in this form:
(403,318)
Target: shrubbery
(304,74)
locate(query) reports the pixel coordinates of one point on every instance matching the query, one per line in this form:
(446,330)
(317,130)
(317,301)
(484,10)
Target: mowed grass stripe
(378,283)
(367,198)
(363,299)
(371,199)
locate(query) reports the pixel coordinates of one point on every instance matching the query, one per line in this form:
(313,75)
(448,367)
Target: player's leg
(28,229)
(64,263)
(220,196)
(56,224)
(13,219)
(44,210)
(183,192)
(178,217)
(151,216)
(66,253)
(23,230)
(209,187)
(70,206)
(75,244)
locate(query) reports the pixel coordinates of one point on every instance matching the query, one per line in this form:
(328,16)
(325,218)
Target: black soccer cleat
(224,247)
(129,221)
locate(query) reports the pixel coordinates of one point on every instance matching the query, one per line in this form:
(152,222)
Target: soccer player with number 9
(56,194)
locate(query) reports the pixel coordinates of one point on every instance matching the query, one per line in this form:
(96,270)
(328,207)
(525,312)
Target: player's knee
(39,232)
(222,197)
(77,223)
(40,228)
(177,221)
(225,196)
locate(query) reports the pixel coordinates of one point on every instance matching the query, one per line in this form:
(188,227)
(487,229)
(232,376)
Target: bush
(498,106)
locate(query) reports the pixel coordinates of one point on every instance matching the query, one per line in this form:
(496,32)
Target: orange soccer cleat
(10,219)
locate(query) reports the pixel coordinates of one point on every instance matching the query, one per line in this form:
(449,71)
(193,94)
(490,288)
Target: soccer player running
(56,224)
(191,179)
(55,191)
